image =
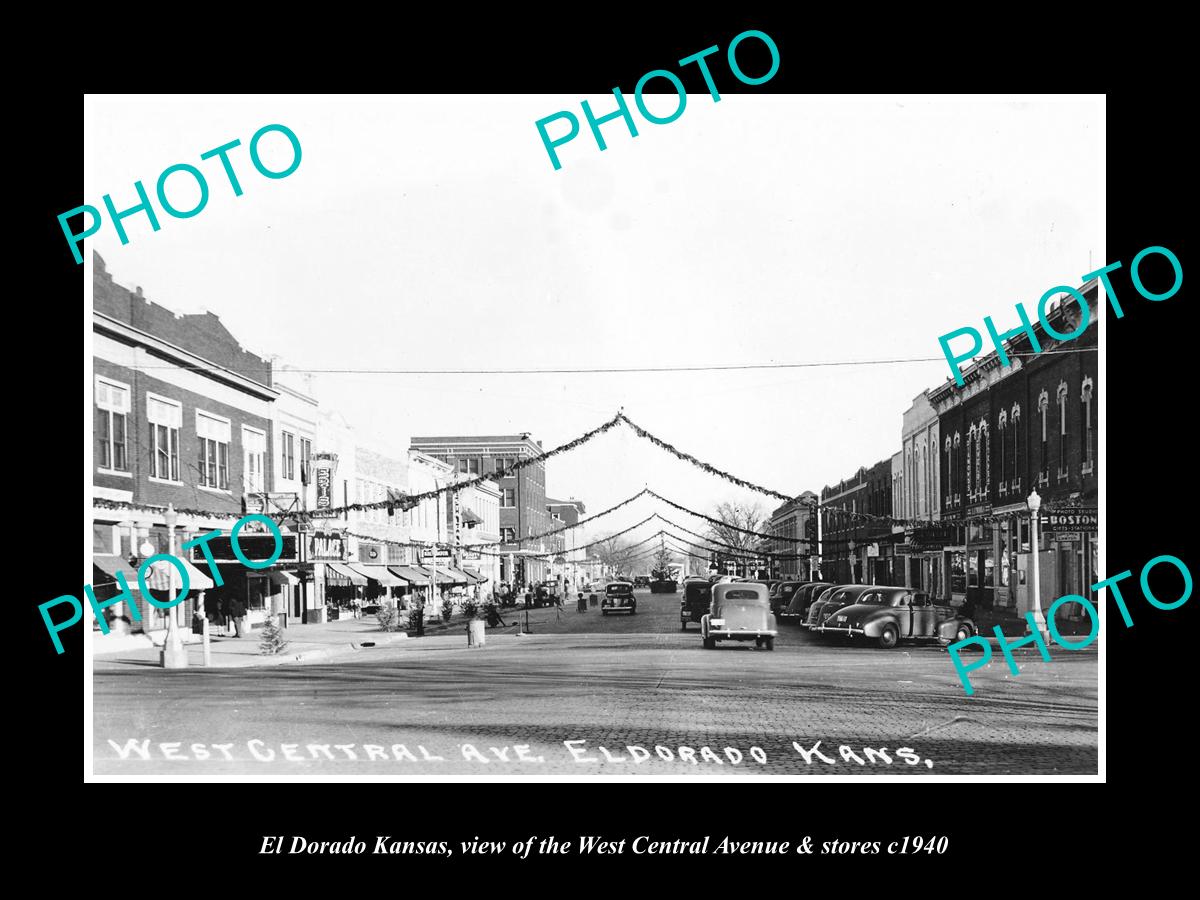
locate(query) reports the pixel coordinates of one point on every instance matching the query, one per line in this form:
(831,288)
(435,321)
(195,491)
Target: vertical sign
(324,465)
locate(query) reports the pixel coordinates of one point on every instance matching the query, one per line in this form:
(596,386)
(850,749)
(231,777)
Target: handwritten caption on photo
(623,112)
(145,206)
(1034,637)
(147,566)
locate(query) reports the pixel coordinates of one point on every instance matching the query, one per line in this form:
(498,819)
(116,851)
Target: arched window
(949,473)
(1044,460)
(1002,427)
(1089,443)
(983,476)
(1014,425)
(1062,430)
(972,461)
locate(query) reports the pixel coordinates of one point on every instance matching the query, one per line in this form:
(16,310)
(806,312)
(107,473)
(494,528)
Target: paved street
(429,706)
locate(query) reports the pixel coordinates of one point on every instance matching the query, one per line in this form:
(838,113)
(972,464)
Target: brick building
(854,547)
(1010,430)
(523,509)
(182,417)
(793,519)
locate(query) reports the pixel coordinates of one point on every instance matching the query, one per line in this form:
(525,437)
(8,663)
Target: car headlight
(716,622)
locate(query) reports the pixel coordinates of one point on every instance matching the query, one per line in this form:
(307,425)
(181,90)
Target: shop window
(112,422)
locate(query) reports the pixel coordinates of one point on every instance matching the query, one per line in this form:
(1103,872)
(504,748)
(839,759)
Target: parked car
(618,597)
(803,597)
(781,595)
(694,604)
(664,586)
(642,581)
(739,612)
(889,615)
(831,600)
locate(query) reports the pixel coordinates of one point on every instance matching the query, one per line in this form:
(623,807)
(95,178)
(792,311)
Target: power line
(611,370)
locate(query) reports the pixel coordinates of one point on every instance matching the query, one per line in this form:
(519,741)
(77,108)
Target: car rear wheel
(769,643)
(889,637)
(709,644)
(964,631)
(683,625)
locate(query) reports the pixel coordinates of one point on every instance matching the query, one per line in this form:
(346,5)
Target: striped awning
(426,574)
(409,574)
(343,572)
(164,576)
(378,573)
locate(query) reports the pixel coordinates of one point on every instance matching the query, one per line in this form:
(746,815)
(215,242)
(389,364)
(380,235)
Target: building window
(288,448)
(468,465)
(985,438)
(305,458)
(949,472)
(508,535)
(508,498)
(213,464)
(165,418)
(112,421)
(254,447)
(1002,427)
(1014,421)
(972,462)
(1089,457)
(1062,430)
(1044,461)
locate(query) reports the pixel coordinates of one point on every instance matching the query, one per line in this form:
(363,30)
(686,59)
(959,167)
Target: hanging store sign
(324,465)
(254,547)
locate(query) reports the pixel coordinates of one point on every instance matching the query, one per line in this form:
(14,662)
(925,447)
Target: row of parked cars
(884,614)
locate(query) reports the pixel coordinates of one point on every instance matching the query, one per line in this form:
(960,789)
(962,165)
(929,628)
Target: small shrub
(389,618)
(416,621)
(470,608)
(447,610)
(272,641)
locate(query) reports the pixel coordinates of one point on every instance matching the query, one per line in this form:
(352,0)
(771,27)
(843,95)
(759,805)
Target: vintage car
(618,597)
(694,604)
(889,615)
(739,612)
(803,597)
(832,599)
(781,595)
(641,581)
(664,586)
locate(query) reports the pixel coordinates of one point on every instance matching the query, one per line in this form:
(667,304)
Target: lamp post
(174,656)
(1035,503)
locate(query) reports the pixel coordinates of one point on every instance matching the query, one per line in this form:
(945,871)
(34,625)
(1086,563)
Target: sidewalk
(305,643)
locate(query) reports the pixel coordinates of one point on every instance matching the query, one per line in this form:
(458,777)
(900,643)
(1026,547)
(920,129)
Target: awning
(475,577)
(345,573)
(105,569)
(470,517)
(158,578)
(379,573)
(409,574)
(282,577)
(442,577)
(457,576)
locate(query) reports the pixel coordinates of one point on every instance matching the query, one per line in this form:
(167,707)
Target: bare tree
(616,554)
(736,516)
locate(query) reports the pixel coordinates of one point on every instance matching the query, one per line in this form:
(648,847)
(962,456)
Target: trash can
(582,603)
(475,633)
(593,600)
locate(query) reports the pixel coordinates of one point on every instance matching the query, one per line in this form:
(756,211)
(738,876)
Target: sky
(433,233)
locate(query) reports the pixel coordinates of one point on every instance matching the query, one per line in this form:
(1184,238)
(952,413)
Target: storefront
(162,581)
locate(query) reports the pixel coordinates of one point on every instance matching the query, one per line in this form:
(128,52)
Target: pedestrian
(493,616)
(237,612)
(528,597)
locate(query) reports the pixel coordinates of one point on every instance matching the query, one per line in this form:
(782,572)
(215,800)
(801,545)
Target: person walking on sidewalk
(237,612)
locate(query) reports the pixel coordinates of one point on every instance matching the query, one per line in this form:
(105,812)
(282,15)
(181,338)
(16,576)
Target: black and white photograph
(650,436)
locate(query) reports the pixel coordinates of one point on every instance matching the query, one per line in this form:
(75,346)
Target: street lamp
(1035,503)
(174,656)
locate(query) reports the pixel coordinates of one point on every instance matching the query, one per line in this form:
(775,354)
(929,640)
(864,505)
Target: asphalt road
(431,707)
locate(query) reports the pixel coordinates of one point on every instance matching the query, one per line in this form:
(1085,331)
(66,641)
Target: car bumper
(728,635)
(838,629)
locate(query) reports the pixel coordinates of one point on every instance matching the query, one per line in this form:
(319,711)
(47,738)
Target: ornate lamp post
(1035,503)
(174,656)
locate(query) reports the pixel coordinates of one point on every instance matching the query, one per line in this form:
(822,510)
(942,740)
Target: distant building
(565,545)
(793,519)
(522,494)
(858,548)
